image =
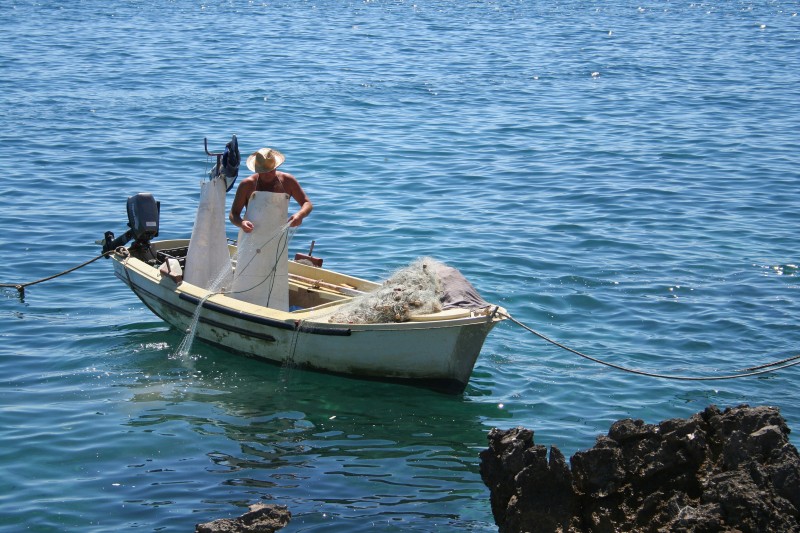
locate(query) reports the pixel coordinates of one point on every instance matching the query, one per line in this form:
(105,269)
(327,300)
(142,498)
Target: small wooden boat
(431,347)
(436,350)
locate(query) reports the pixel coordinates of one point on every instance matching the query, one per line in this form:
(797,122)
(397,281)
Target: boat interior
(309,286)
(312,290)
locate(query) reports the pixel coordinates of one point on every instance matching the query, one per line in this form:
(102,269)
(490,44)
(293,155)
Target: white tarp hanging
(208,262)
(262,267)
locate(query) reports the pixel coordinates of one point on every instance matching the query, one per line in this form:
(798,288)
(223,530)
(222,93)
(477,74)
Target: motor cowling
(143,211)
(143,220)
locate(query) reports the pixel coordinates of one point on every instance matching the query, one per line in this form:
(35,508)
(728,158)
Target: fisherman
(262,273)
(266,178)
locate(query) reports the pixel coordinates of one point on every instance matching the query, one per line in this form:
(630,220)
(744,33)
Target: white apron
(262,268)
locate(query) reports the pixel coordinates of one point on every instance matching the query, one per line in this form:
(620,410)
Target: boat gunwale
(218,302)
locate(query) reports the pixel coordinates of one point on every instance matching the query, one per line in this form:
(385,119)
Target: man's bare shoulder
(249,182)
(247,186)
(290,183)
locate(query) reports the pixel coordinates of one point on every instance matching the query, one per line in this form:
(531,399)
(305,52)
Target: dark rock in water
(731,470)
(258,519)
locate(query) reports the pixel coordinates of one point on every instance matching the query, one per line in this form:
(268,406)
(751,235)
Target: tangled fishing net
(412,290)
(425,286)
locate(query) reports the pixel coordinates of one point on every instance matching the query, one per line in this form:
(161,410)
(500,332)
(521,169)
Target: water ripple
(586,166)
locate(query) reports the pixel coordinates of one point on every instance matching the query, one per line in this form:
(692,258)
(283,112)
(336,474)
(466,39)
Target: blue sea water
(623,177)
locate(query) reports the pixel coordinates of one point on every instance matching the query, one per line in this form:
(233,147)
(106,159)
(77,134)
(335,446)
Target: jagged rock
(731,470)
(259,518)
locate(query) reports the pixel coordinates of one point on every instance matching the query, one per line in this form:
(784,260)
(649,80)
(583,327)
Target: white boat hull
(438,350)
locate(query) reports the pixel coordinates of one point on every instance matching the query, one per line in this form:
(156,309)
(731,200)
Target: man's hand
(295,220)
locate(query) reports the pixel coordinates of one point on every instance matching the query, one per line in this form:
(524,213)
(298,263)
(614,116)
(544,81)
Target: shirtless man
(266,177)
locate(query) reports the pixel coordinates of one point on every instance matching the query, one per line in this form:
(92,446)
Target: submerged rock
(731,470)
(259,518)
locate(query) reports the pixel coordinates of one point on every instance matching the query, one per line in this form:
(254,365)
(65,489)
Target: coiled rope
(21,286)
(752,371)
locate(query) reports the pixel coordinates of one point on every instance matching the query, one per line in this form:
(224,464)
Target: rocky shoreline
(731,470)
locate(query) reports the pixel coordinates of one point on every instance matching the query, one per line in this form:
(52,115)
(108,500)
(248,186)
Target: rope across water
(21,286)
(752,371)
(747,372)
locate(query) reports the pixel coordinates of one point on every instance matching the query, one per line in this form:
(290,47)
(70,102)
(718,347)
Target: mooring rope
(752,371)
(21,286)
(282,231)
(747,372)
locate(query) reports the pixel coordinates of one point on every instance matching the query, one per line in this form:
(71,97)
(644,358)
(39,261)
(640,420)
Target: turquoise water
(621,176)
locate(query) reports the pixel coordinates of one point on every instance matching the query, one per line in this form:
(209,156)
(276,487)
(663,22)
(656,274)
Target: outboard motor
(143,213)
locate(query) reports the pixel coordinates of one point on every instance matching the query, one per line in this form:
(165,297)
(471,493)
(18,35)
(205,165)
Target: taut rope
(752,371)
(21,286)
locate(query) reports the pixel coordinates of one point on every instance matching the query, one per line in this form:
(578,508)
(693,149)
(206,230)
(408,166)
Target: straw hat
(265,160)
